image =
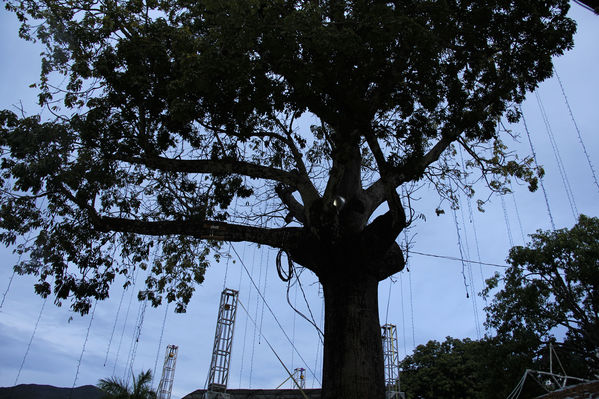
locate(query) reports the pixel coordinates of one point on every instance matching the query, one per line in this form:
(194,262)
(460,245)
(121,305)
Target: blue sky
(427,303)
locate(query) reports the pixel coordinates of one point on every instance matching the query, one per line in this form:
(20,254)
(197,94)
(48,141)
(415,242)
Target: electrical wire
(459,259)
(273,314)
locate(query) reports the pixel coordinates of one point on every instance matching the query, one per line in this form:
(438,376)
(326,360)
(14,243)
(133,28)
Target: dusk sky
(428,302)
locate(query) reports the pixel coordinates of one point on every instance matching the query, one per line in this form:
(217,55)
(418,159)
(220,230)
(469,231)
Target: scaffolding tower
(218,376)
(391,359)
(165,387)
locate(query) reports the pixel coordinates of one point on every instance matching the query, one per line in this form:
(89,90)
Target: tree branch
(307,191)
(205,229)
(398,176)
(295,208)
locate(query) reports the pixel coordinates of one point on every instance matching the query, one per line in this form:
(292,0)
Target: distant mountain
(33,391)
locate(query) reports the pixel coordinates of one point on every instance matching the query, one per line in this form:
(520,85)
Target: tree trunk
(353,353)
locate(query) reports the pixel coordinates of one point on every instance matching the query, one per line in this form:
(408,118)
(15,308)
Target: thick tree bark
(353,353)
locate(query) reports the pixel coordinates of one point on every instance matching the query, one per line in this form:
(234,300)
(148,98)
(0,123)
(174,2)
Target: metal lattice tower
(168,372)
(391,359)
(223,343)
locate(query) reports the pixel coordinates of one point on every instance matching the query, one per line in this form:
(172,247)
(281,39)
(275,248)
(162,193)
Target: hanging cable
(275,353)
(476,242)
(136,336)
(388,301)
(282,276)
(412,310)
(558,159)
(459,236)
(246,320)
(507,223)
(518,217)
(118,351)
(408,251)
(264,290)
(273,314)
(403,319)
(227,267)
(580,140)
(160,340)
(37,322)
(311,320)
(12,276)
(467,247)
(89,326)
(294,319)
(471,278)
(256,317)
(318,345)
(297,311)
(116,318)
(21,250)
(534,157)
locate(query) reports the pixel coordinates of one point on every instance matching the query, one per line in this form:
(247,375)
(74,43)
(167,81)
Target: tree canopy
(464,368)
(552,282)
(179,122)
(182,125)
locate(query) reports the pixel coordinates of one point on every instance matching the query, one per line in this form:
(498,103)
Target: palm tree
(116,388)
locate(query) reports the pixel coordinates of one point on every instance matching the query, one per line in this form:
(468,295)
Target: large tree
(183,124)
(552,282)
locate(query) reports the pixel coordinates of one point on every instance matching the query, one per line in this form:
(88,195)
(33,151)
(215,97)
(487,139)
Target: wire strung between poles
(459,259)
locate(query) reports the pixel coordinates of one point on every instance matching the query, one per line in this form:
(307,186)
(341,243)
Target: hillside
(34,391)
